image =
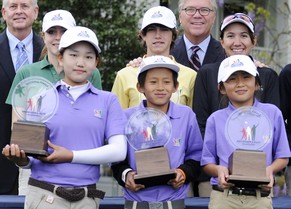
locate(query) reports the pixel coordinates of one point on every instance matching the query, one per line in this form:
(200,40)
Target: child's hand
(260,64)
(178,181)
(268,187)
(223,175)
(59,155)
(135,62)
(130,183)
(12,152)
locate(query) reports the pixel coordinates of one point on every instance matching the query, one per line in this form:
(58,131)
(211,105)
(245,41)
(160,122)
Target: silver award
(35,101)
(248,130)
(148,131)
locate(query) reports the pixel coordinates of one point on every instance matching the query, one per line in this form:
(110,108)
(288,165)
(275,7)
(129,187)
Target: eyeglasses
(242,16)
(204,11)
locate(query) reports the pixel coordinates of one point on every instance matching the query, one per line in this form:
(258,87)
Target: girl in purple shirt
(85,117)
(238,81)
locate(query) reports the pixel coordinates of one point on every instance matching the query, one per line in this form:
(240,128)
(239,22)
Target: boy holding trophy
(157,80)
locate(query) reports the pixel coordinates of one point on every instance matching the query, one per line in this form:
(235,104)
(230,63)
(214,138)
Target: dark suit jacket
(285,99)
(214,53)
(8,171)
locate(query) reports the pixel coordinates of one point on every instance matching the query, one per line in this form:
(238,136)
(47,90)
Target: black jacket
(9,172)
(285,99)
(214,53)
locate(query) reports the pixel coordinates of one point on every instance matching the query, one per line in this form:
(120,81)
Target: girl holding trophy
(85,117)
(238,80)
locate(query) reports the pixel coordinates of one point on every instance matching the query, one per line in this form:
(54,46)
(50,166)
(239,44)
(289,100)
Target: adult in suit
(197,19)
(237,37)
(19,16)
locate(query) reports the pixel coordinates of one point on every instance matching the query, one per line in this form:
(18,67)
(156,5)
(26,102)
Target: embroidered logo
(84,34)
(157,14)
(57,18)
(98,113)
(160,60)
(237,63)
(177,142)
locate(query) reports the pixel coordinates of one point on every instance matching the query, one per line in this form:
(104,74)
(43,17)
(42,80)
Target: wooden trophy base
(30,137)
(247,168)
(153,167)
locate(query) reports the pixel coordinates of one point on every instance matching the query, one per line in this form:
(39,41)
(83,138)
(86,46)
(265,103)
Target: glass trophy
(148,131)
(249,130)
(35,101)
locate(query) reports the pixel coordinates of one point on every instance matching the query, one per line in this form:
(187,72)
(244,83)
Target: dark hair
(223,99)
(174,32)
(251,34)
(141,78)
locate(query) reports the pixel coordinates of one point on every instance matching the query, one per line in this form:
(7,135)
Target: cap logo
(84,34)
(157,14)
(57,17)
(237,63)
(160,60)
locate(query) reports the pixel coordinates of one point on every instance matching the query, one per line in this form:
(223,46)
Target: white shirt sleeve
(114,151)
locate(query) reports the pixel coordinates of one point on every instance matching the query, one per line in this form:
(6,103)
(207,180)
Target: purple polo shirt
(184,144)
(79,125)
(216,147)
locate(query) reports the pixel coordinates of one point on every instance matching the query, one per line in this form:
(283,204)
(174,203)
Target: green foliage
(115,23)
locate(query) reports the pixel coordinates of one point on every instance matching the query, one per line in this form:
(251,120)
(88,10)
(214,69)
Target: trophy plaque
(34,100)
(249,130)
(148,131)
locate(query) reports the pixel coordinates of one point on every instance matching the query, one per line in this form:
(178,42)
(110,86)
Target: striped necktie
(22,58)
(194,59)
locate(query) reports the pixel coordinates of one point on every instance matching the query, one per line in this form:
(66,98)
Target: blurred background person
(19,16)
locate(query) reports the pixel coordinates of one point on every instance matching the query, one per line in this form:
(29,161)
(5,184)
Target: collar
(13,41)
(173,112)
(88,87)
(44,63)
(170,56)
(232,108)
(203,45)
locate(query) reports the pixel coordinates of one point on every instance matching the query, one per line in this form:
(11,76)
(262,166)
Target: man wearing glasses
(197,47)
(197,18)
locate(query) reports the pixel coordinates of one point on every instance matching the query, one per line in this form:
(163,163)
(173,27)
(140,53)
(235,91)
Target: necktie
(22,58)
(194,59)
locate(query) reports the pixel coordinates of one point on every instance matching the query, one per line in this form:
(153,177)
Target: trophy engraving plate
(34,100)
(148,131)
(249,130)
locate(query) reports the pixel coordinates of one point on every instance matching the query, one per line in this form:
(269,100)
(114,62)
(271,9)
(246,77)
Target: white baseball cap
(157,61)
(59,17)
(77,34)
(238,18)
(236,63)
(159,15)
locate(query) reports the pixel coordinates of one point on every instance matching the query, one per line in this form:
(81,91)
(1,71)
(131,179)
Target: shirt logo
(98,113)
(177,142)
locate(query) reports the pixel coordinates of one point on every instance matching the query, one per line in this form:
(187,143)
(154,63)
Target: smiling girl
(238,80)
(85,117)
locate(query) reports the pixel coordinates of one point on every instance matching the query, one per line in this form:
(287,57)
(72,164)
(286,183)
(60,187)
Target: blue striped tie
(22,58)
(194,59)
